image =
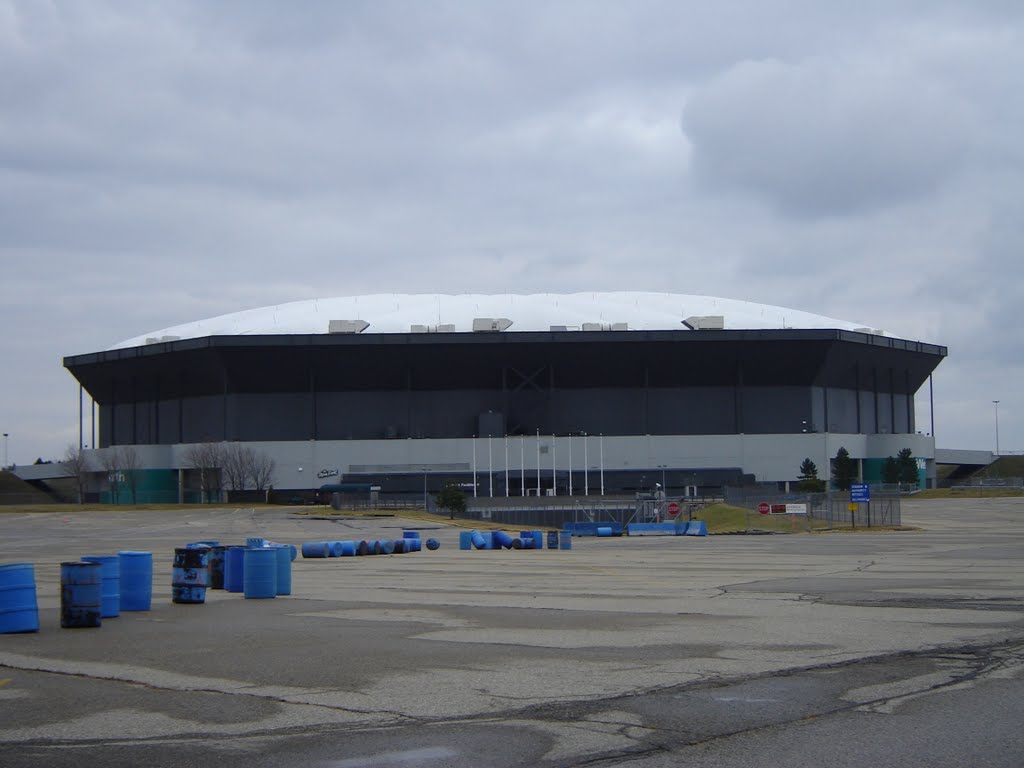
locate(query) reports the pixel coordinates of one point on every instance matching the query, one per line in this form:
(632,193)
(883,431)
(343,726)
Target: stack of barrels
(258,569)
(410,542)
(102,586)
(95,588)
(501,540)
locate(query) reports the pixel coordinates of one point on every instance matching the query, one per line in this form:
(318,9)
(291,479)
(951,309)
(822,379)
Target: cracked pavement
(901,648)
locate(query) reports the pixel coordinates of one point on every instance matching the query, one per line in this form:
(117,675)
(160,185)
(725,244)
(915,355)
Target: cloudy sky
(162,162)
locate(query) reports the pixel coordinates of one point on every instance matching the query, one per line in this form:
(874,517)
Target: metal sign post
(860,493)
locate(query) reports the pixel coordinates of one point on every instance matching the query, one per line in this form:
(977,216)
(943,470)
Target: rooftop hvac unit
(161,339)
(872,331)
(347,326)
(443,328)
(606,326)
(490,324)
(705,322)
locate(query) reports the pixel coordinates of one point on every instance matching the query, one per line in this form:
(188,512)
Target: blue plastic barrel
(215,563)
(552,539)
(465,540)
(363,548)
(410,534)
(294,551)
(110,594)
(334,549)
(19,610)
(433,544)
(348,548)
(190,575)
(260,572)
(284,569)
(565,539)
(413,545)
(503,540)
(136,580)
(387,546)
(399,546)
(478,540)
(255,541)
(81,594)
(233,568)
(604,530)
(316,549)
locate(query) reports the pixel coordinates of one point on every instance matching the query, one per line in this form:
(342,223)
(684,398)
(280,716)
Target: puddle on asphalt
(411,757)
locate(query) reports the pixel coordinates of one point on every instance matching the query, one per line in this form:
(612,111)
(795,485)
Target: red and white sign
(764,507)
(672,508)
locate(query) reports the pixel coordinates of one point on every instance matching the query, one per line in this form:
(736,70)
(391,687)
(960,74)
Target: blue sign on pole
(860,493)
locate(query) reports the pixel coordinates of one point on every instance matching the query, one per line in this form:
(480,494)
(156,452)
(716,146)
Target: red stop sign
(672,509)
(764,508)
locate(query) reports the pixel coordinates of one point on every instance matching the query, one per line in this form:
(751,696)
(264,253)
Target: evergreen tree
(907,464)
(844,470)
(809,481)
(891,471)
(452,498)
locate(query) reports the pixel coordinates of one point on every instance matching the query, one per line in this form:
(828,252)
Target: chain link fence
(770,511)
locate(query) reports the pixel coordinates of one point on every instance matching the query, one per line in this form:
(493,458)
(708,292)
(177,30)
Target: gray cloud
(827,137)
(161,162)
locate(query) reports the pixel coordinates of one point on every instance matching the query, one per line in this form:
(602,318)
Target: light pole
(994,402)
(425,506)
(5,451)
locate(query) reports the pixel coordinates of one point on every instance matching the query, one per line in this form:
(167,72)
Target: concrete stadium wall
(308,464)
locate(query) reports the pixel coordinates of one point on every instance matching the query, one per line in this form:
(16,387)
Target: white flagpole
(474,466)
(554,469)
(570,463)
(601,444)
(522,464)
(538,462)
(586,477)
(506,466)
(490,467)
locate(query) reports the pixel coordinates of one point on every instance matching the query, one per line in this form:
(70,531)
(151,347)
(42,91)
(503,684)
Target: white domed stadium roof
(402,313)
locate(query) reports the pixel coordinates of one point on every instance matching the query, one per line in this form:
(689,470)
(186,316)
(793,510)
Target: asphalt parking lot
(869,648)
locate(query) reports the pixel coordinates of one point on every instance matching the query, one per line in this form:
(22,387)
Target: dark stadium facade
(763,391)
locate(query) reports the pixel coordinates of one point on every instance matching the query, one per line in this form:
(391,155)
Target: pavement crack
(246,690)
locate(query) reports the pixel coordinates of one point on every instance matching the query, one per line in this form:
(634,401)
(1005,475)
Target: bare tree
(76,464)
(208,458)
(236,465)
(131,464)
(111,459)
(261,468)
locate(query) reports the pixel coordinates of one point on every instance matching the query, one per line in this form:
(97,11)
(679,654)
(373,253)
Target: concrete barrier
(696,528)
(590,529)
(655,529)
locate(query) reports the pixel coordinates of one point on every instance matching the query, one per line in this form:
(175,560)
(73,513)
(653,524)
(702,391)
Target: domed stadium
(511,394)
